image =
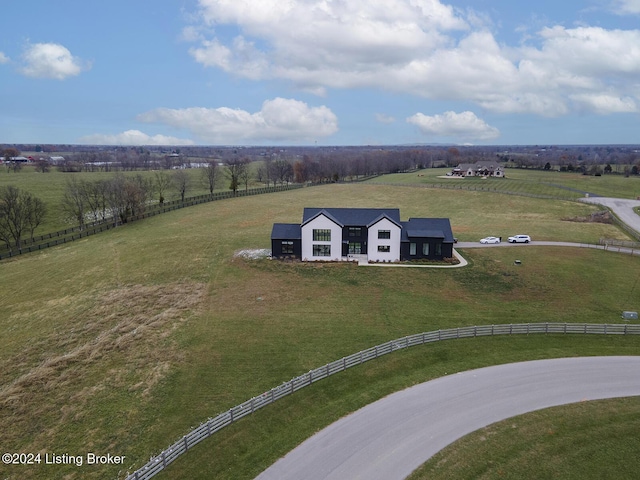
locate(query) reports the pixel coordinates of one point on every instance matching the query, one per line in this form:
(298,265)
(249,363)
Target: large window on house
(384,248)
(322,250)
(321,235)
(438,249)
(287,247)
(425,249)
(384,234)
(355,231)
(355,248)
(412,249)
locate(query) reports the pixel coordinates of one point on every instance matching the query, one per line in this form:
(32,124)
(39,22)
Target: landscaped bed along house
(377,234)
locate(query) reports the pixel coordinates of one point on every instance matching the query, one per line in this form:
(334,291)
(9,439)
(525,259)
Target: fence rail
(212,425)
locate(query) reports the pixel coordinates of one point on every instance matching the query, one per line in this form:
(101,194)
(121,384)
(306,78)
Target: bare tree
(245,176)
(36,210)
(282,171)
(181,182)
(10,161)
(96,199)
(127,197)
(74,203)
(162,182)
(210,175)
(20,212)
(235,169)
(43,166)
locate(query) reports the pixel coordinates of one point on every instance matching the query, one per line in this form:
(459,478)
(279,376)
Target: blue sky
(320,72)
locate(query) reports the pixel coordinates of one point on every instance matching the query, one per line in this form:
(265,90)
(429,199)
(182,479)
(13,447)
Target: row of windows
(355,248)
(324,234)
(425,249)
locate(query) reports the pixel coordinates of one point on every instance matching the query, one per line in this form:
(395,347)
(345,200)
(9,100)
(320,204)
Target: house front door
(355,248)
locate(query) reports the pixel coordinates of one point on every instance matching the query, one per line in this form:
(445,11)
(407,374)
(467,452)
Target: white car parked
(520,239)
(490,240)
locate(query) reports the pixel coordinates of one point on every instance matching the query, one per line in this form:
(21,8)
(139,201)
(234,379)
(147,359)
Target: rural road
(623,208)
(390,438)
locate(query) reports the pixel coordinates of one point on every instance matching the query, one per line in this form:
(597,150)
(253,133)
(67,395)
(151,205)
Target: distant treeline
(332,163)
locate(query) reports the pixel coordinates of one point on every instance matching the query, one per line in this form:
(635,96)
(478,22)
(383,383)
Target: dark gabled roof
(286,231)
(427,228)
(320,211)
(380,217)
(356,217)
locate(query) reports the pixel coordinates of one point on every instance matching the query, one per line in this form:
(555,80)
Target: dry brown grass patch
(122,345)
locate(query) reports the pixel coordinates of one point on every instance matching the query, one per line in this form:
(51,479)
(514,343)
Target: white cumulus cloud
(3,58)
(423,48)
(51,60)
(626,7)
(462,126)
(133,137)
(278,120)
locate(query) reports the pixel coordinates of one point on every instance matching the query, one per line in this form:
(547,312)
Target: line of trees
(122,196)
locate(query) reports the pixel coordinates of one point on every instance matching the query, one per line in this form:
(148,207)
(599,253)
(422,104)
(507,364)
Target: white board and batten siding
(321,222)
(373,253)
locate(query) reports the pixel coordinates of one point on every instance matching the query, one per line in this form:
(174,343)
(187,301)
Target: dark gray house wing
(286,240)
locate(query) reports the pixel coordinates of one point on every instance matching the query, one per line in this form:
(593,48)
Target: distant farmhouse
(485,168)
(377,234)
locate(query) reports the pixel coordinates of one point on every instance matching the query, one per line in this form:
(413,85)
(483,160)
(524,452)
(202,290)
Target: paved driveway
(390,438)
(623,208)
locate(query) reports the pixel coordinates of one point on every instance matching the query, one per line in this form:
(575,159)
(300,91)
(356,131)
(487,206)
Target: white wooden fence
(212,425)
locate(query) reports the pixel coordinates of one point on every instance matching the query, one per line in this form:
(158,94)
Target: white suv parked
(520,239)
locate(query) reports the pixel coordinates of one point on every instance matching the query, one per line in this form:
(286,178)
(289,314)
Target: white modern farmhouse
(334,234)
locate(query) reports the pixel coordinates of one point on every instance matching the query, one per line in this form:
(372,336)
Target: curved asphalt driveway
(623,209)
(390,438)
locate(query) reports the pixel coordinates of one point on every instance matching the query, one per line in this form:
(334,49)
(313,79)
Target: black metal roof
(352,217)
(286,231)
(427,228)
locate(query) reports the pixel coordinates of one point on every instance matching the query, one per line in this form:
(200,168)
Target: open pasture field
(526,182)
(122,342)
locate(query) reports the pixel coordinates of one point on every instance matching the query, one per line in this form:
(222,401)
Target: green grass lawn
(122,342)
(589,440)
